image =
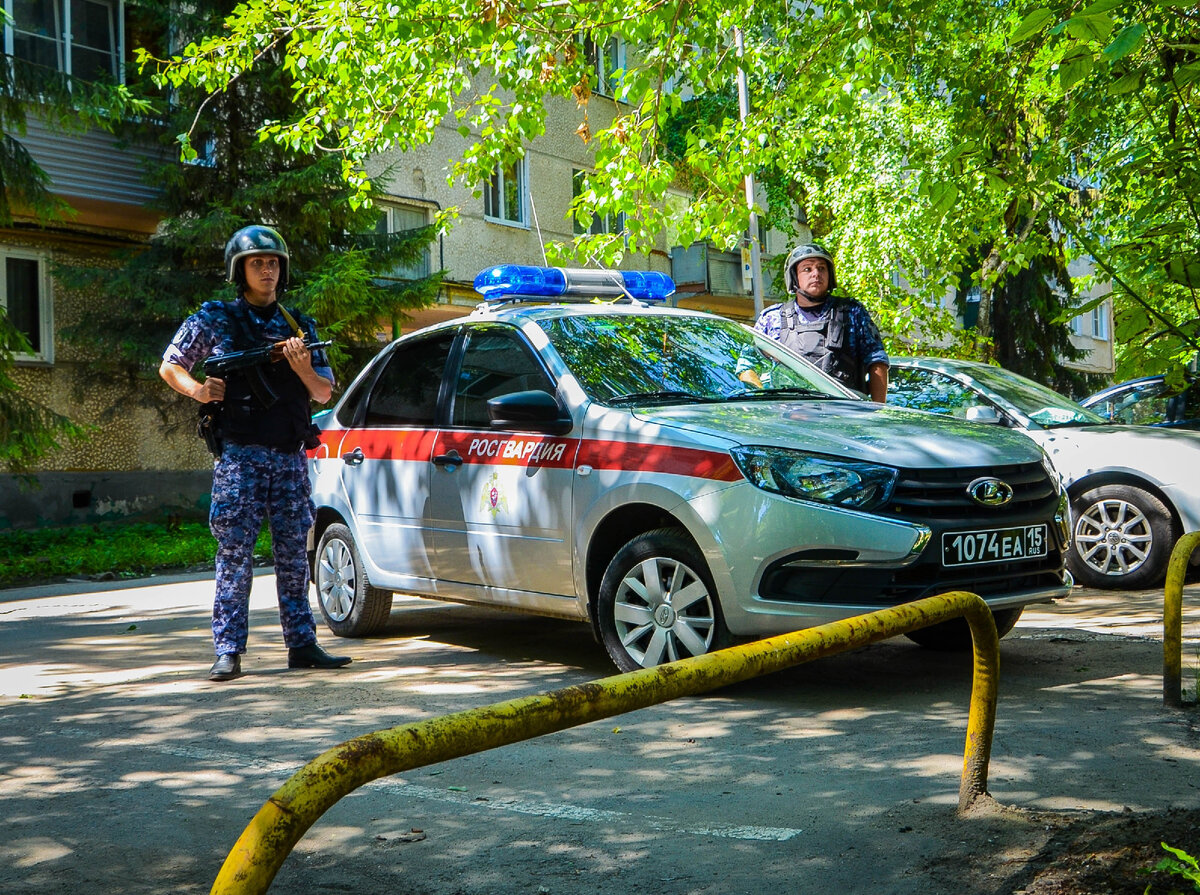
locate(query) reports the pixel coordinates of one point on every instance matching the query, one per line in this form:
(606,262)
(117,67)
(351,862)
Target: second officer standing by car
(836,334)
(261,469)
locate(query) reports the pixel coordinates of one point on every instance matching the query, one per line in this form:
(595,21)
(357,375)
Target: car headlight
(843,483)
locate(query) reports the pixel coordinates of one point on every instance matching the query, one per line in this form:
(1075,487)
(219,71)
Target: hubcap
(335,580)
(1113,537)
(663,612)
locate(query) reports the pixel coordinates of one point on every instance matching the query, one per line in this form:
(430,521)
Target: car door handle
(453,459)
(354,457)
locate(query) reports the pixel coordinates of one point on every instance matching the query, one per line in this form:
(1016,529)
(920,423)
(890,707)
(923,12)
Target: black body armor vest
(824,342)
(244,419)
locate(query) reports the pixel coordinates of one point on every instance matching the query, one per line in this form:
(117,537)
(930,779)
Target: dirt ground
(1006,850)
(106,719)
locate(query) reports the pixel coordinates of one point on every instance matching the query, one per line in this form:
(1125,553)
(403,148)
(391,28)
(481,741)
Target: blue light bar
(526,281)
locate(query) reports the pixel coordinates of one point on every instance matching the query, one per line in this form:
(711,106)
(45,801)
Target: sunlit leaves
(1129,40)
(1033,23)
(913,140)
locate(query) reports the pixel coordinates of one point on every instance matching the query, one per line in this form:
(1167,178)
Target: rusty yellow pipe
(1173,619)
(261,849)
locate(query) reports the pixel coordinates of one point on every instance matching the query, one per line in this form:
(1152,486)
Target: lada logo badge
(990,492)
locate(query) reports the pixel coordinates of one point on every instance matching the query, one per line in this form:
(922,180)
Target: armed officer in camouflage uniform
(835,333)
(261,469)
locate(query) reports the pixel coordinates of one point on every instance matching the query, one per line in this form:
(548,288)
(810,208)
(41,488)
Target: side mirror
(534,410)
(980,414)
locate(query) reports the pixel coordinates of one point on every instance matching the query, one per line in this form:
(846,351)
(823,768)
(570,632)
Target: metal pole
(285,817)
(1173,619)
(755,253)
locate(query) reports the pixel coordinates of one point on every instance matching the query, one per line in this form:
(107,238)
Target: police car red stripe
(489,448)
(644,457)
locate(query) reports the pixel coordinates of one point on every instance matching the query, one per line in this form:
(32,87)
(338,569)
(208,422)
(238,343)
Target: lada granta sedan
(604,462)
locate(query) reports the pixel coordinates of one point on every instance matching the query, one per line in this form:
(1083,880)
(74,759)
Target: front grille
(940,495)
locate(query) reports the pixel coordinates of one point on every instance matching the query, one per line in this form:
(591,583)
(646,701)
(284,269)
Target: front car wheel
(1123,538)
(657,602)
(955,635)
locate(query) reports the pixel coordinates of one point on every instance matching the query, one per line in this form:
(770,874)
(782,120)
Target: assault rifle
(251,363)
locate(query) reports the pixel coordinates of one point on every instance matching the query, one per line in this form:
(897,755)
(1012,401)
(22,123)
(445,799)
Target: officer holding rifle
(258,423)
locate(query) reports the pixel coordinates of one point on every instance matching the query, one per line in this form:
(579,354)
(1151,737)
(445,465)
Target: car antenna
(538,227)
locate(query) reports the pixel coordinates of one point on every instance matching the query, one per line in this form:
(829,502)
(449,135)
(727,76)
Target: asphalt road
(124,770)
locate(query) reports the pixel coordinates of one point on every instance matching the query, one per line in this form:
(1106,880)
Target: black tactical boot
(312,656)
(226,668)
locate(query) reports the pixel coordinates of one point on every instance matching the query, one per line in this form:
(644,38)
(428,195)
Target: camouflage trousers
(251,483)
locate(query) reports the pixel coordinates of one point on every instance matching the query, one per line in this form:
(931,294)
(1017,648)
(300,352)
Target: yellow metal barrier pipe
(261,849)
(1173,619)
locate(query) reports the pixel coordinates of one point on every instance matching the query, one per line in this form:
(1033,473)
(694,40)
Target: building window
(1093,323)
(81,38)
(25,297)
(398,219)
(1100,322)
(504,194)
(606,62)
(609,223)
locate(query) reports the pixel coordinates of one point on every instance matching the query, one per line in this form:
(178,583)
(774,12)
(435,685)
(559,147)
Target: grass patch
(122,549)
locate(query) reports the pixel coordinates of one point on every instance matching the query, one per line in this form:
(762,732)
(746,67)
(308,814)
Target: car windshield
(1044,406)
(626,359)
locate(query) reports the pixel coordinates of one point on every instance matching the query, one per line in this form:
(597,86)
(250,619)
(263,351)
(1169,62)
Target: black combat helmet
(254,240)
(798,254)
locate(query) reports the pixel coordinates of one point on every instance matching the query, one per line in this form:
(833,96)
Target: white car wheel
(657,602)
(1122,538)
(350,604)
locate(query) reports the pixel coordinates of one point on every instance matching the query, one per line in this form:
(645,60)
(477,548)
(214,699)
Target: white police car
(603,461)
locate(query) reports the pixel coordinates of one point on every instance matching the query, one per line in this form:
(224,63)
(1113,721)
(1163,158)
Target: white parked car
(1134,489)
(603,462)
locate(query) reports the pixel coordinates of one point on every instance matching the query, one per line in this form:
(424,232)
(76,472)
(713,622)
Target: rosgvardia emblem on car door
(990,492)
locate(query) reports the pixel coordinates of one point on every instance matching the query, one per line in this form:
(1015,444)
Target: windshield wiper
(771,394)
(655,397)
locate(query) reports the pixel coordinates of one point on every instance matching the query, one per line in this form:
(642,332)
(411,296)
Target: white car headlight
(843,483)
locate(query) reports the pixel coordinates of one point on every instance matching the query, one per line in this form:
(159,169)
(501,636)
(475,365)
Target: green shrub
(1182,864)
(122,549)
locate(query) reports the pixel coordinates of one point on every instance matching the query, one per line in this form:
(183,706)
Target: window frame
(389,207)
(1100,322)
(607,84)
(608,224)
(45,303)
(496,186)
(458,390)
(63,37)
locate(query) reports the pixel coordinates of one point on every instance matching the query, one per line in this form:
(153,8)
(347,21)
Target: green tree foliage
(917,135)
(1141,169)
(338,261)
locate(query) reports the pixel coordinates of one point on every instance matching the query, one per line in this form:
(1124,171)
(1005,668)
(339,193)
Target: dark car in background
(1149,401)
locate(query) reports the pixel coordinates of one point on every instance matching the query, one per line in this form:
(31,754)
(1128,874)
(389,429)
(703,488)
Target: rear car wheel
(350,604)
(955,635)
(657,602)
(1122,539)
